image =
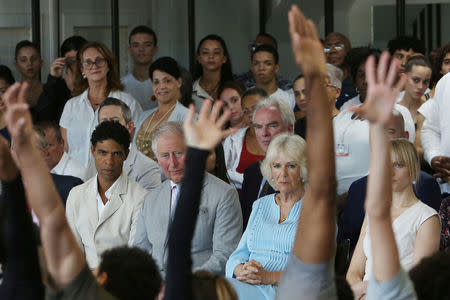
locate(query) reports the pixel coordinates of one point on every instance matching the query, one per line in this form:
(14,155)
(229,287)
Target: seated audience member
(309,272)
(402,47)
(215,164)
(270,118)
(95,79)
(333,84)
(121,270)
(241,148)
(57,90)
(21,274)
(166,77)
(351,132)
(142,47)
(268,239)
(201,138)
(418,73)
(58,161)
(265,66)
(212,69)
(436,144)
(6,80)
(103,211)
(247,78)
(231,94)
(137,166)
(440,65)
(351,219)
(28,61)
(416,225)
(63,182)
(336,47)
(219,227)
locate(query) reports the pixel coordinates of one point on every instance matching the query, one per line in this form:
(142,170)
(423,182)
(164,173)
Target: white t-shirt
(142,91)
(285,96)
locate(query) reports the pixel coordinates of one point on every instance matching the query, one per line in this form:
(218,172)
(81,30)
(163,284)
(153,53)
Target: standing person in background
(143,45)
(441,66)
(96,78)
(212,69)
(58,88)
(6,80)
(28,61)
(265,66)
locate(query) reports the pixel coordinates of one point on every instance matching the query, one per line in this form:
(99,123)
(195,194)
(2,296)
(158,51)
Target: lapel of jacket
(116,199)
(165,216)
(131,160)
(91,203)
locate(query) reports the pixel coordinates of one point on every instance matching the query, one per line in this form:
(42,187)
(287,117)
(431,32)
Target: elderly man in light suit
(103,211)
(219,224)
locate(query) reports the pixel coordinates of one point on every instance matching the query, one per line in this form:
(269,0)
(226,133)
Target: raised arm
(201,137)
(64,259)
(315,239)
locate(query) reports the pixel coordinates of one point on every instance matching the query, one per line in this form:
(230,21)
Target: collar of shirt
(108,194)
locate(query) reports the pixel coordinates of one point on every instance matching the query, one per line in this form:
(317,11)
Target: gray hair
(126,112)
(287,114)
(335,75)
(289,146)
(166,128)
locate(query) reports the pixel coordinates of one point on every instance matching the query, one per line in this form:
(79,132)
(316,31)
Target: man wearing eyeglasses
(142,47)
(247,78)
(336,47)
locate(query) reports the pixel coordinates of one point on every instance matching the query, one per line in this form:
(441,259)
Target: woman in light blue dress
(256,266)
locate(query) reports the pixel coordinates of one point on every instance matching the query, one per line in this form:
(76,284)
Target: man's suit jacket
(352,216)
(217,232)
(117,223)
(64,185)
(250,189)
(142,169)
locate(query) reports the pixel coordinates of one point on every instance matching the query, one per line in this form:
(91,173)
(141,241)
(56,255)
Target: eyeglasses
(337,47)
(99,62)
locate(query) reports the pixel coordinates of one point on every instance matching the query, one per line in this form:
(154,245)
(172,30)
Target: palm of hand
(379,103)
(309,56)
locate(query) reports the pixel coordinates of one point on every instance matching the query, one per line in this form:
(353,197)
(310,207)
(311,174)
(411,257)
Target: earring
(83,75)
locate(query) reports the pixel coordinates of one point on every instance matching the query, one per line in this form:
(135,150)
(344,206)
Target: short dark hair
(357,56)
(126,111)
(131,273)
(42,126)
(143,29)
(235,85)
(299,76)
(25,44)
(6,75)
(269,36)
(438,60)
(266,48)
(416,60)
(110,130)
(405,43)
(431,276)
(74,42)
(167,65)
(255,91)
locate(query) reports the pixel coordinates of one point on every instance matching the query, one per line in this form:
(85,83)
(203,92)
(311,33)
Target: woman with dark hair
(231,94)
(166,80)
(212,69)
(6,79)
(95,78)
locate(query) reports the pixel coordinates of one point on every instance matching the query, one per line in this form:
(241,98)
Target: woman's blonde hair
(289,146)
(209,286)
(406,154)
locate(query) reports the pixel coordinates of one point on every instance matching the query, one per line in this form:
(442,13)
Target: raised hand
(57,67)
(307,48)
(18,118)
(207,132)
(381,90)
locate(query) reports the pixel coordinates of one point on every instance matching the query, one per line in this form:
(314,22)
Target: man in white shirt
(142,48)
(265,66)
(137,166)
(58,161)
(435,135)
(103,211)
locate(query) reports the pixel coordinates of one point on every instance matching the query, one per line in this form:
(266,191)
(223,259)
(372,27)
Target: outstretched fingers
(382,67)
